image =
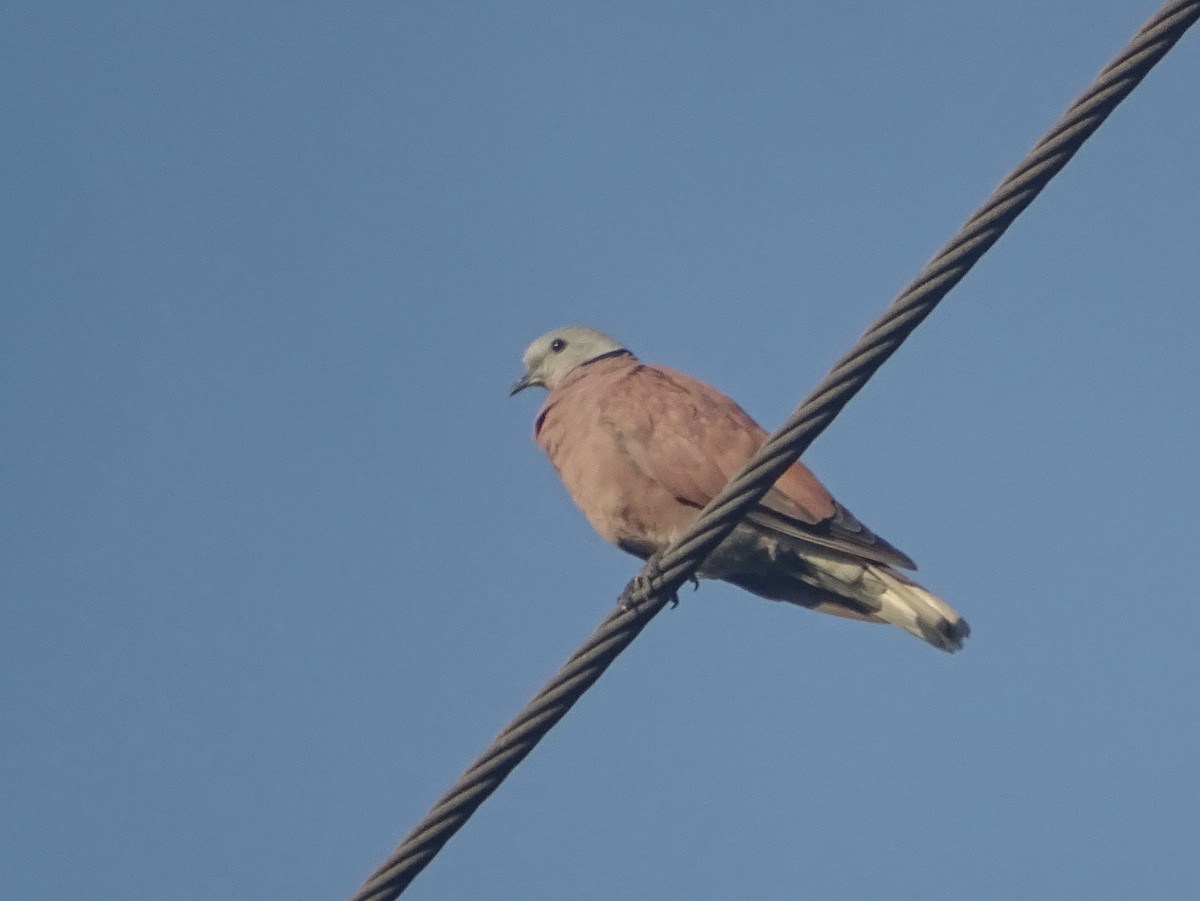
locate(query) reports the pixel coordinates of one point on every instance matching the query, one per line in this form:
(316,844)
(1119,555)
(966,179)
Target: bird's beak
(520,384)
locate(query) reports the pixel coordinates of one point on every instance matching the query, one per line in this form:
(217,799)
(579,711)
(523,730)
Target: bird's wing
(692,439)
(841,530)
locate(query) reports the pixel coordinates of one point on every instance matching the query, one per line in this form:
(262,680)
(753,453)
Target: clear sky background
(279,557)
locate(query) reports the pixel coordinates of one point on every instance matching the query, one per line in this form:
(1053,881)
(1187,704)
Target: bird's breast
(622,503)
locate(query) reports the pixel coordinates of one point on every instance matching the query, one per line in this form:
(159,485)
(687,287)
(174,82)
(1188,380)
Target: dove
(641,449)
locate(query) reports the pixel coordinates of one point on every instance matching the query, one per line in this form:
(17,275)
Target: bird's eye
(557,345)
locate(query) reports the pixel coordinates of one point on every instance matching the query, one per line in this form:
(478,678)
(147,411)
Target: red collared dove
(641,449)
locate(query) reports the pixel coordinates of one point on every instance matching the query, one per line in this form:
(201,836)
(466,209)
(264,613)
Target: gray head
(549,358)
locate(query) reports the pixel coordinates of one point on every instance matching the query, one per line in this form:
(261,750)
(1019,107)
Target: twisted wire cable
(658,581)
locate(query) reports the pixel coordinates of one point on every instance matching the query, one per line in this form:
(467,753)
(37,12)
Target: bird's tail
(904,603)
(836,583)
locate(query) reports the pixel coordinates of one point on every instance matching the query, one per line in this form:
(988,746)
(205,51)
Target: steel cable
(650,591)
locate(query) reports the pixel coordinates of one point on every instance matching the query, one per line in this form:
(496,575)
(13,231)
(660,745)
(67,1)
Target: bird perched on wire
(641,449)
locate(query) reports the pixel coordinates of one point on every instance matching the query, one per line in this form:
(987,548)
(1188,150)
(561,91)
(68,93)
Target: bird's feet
(644,583)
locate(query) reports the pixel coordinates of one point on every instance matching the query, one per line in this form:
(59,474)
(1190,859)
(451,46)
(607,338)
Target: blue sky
(279,556)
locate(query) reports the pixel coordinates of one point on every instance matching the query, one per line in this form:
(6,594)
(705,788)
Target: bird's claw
(642,585)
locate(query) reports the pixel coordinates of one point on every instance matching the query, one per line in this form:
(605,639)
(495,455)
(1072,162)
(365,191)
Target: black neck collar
(619,352)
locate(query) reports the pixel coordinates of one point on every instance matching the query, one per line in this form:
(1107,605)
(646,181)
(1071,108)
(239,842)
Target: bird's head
(551,357)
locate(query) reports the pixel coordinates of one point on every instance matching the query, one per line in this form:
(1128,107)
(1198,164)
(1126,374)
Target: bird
(642,448)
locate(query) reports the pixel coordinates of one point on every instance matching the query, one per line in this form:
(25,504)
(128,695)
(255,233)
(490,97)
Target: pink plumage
(642,448)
